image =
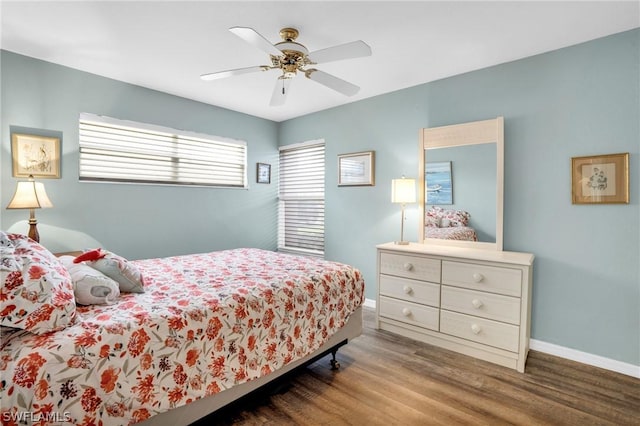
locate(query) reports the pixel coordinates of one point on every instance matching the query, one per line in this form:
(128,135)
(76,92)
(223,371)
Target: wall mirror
(461,184)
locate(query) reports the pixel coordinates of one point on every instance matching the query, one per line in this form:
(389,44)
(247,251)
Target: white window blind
(124,151)
(301,194)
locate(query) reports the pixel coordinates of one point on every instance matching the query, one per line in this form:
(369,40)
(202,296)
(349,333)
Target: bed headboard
(57,239)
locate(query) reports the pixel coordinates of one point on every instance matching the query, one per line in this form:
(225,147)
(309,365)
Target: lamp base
(33,231)
(401,243)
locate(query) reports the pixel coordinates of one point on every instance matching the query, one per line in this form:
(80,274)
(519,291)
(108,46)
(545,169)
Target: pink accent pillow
(37,292)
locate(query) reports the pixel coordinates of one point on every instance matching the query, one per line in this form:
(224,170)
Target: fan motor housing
(294,56)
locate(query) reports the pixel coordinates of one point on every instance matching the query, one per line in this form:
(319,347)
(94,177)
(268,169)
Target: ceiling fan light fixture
(289,56)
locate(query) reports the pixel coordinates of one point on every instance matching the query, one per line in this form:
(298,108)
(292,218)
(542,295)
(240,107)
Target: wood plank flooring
(386,379)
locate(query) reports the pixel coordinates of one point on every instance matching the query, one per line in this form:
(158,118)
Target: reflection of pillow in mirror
(432,217)
(445,223)
(457,218)
(432,222)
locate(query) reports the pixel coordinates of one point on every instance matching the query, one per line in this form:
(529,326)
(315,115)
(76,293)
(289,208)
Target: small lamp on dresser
(403,191)
(30,195)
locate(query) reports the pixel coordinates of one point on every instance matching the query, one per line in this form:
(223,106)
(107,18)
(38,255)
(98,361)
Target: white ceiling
(166,45)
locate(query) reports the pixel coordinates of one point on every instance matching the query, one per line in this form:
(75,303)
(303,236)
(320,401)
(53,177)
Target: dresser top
(461,252)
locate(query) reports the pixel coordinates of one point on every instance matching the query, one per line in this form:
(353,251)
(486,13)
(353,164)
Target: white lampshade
(403,191)
(30,195)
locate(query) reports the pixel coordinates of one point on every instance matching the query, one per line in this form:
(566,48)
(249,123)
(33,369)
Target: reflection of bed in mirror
(448,224)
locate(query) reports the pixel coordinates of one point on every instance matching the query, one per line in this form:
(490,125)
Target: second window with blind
(301,198)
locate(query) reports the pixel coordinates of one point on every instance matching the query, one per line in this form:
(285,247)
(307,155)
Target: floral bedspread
(205,323)
(452,233)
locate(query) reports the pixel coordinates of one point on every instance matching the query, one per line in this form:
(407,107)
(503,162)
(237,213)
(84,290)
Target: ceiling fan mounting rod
(289,34)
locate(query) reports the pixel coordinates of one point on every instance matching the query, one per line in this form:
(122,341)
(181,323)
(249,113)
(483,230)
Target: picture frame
(263,173)
(35,155)
(600,179)
(356,169)
(438,188)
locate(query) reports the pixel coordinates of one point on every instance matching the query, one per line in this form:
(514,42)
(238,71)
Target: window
(125,151)
(301,193)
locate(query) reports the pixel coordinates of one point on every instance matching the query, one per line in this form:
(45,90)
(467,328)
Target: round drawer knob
(476,303)
(476,329)
(407,289)
(478,277)
(406,312)
(408,266)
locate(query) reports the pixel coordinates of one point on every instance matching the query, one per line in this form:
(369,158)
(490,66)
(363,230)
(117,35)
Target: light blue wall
(582,100)
(136,221)
(576,101)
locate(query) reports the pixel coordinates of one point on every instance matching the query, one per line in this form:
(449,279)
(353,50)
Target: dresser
(472,301)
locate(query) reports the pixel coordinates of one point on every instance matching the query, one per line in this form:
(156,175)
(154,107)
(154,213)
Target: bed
(207,329)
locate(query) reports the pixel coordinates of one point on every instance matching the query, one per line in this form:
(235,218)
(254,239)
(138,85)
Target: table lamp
(403,191)
(30,195)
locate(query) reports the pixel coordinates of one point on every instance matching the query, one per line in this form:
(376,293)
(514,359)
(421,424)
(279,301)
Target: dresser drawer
(410,313)
(488,332)
(481,304)
(419,268)
(505,281)
(410,290)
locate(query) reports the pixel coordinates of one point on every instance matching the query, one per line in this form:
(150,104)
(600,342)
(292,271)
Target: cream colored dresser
(473,301)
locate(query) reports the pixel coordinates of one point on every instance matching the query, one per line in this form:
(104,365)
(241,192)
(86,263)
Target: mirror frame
(472,133)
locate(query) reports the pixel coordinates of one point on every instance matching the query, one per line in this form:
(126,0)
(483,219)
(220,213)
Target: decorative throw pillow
(432,217)
(90,286)
(457,218)
(37,292)
(119,269)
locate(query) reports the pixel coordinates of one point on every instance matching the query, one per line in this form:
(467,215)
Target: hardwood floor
(390,380)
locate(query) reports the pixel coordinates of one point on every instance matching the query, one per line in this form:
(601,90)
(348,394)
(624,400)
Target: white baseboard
(586,358)
(568,353)
(369,303)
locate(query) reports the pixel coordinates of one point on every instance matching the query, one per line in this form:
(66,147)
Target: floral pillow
(432,217)
(456,218)
(438,217)
(119,269)
(37,292)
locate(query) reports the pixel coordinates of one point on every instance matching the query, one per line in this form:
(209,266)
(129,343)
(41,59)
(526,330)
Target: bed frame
(187,414)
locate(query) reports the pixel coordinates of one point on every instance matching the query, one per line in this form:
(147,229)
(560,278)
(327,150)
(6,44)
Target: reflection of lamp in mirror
(30,195)
(403,191)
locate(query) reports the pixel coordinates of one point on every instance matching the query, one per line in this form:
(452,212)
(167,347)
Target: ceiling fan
(289,56)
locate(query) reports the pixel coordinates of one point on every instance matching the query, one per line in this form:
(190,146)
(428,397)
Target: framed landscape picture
(356,169)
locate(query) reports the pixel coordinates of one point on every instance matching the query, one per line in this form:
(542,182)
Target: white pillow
(90,286)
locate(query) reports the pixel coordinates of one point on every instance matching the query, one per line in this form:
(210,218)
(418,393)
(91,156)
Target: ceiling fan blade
(229,73)
(355,49)
(280,92)
(254,38)
(332,82)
